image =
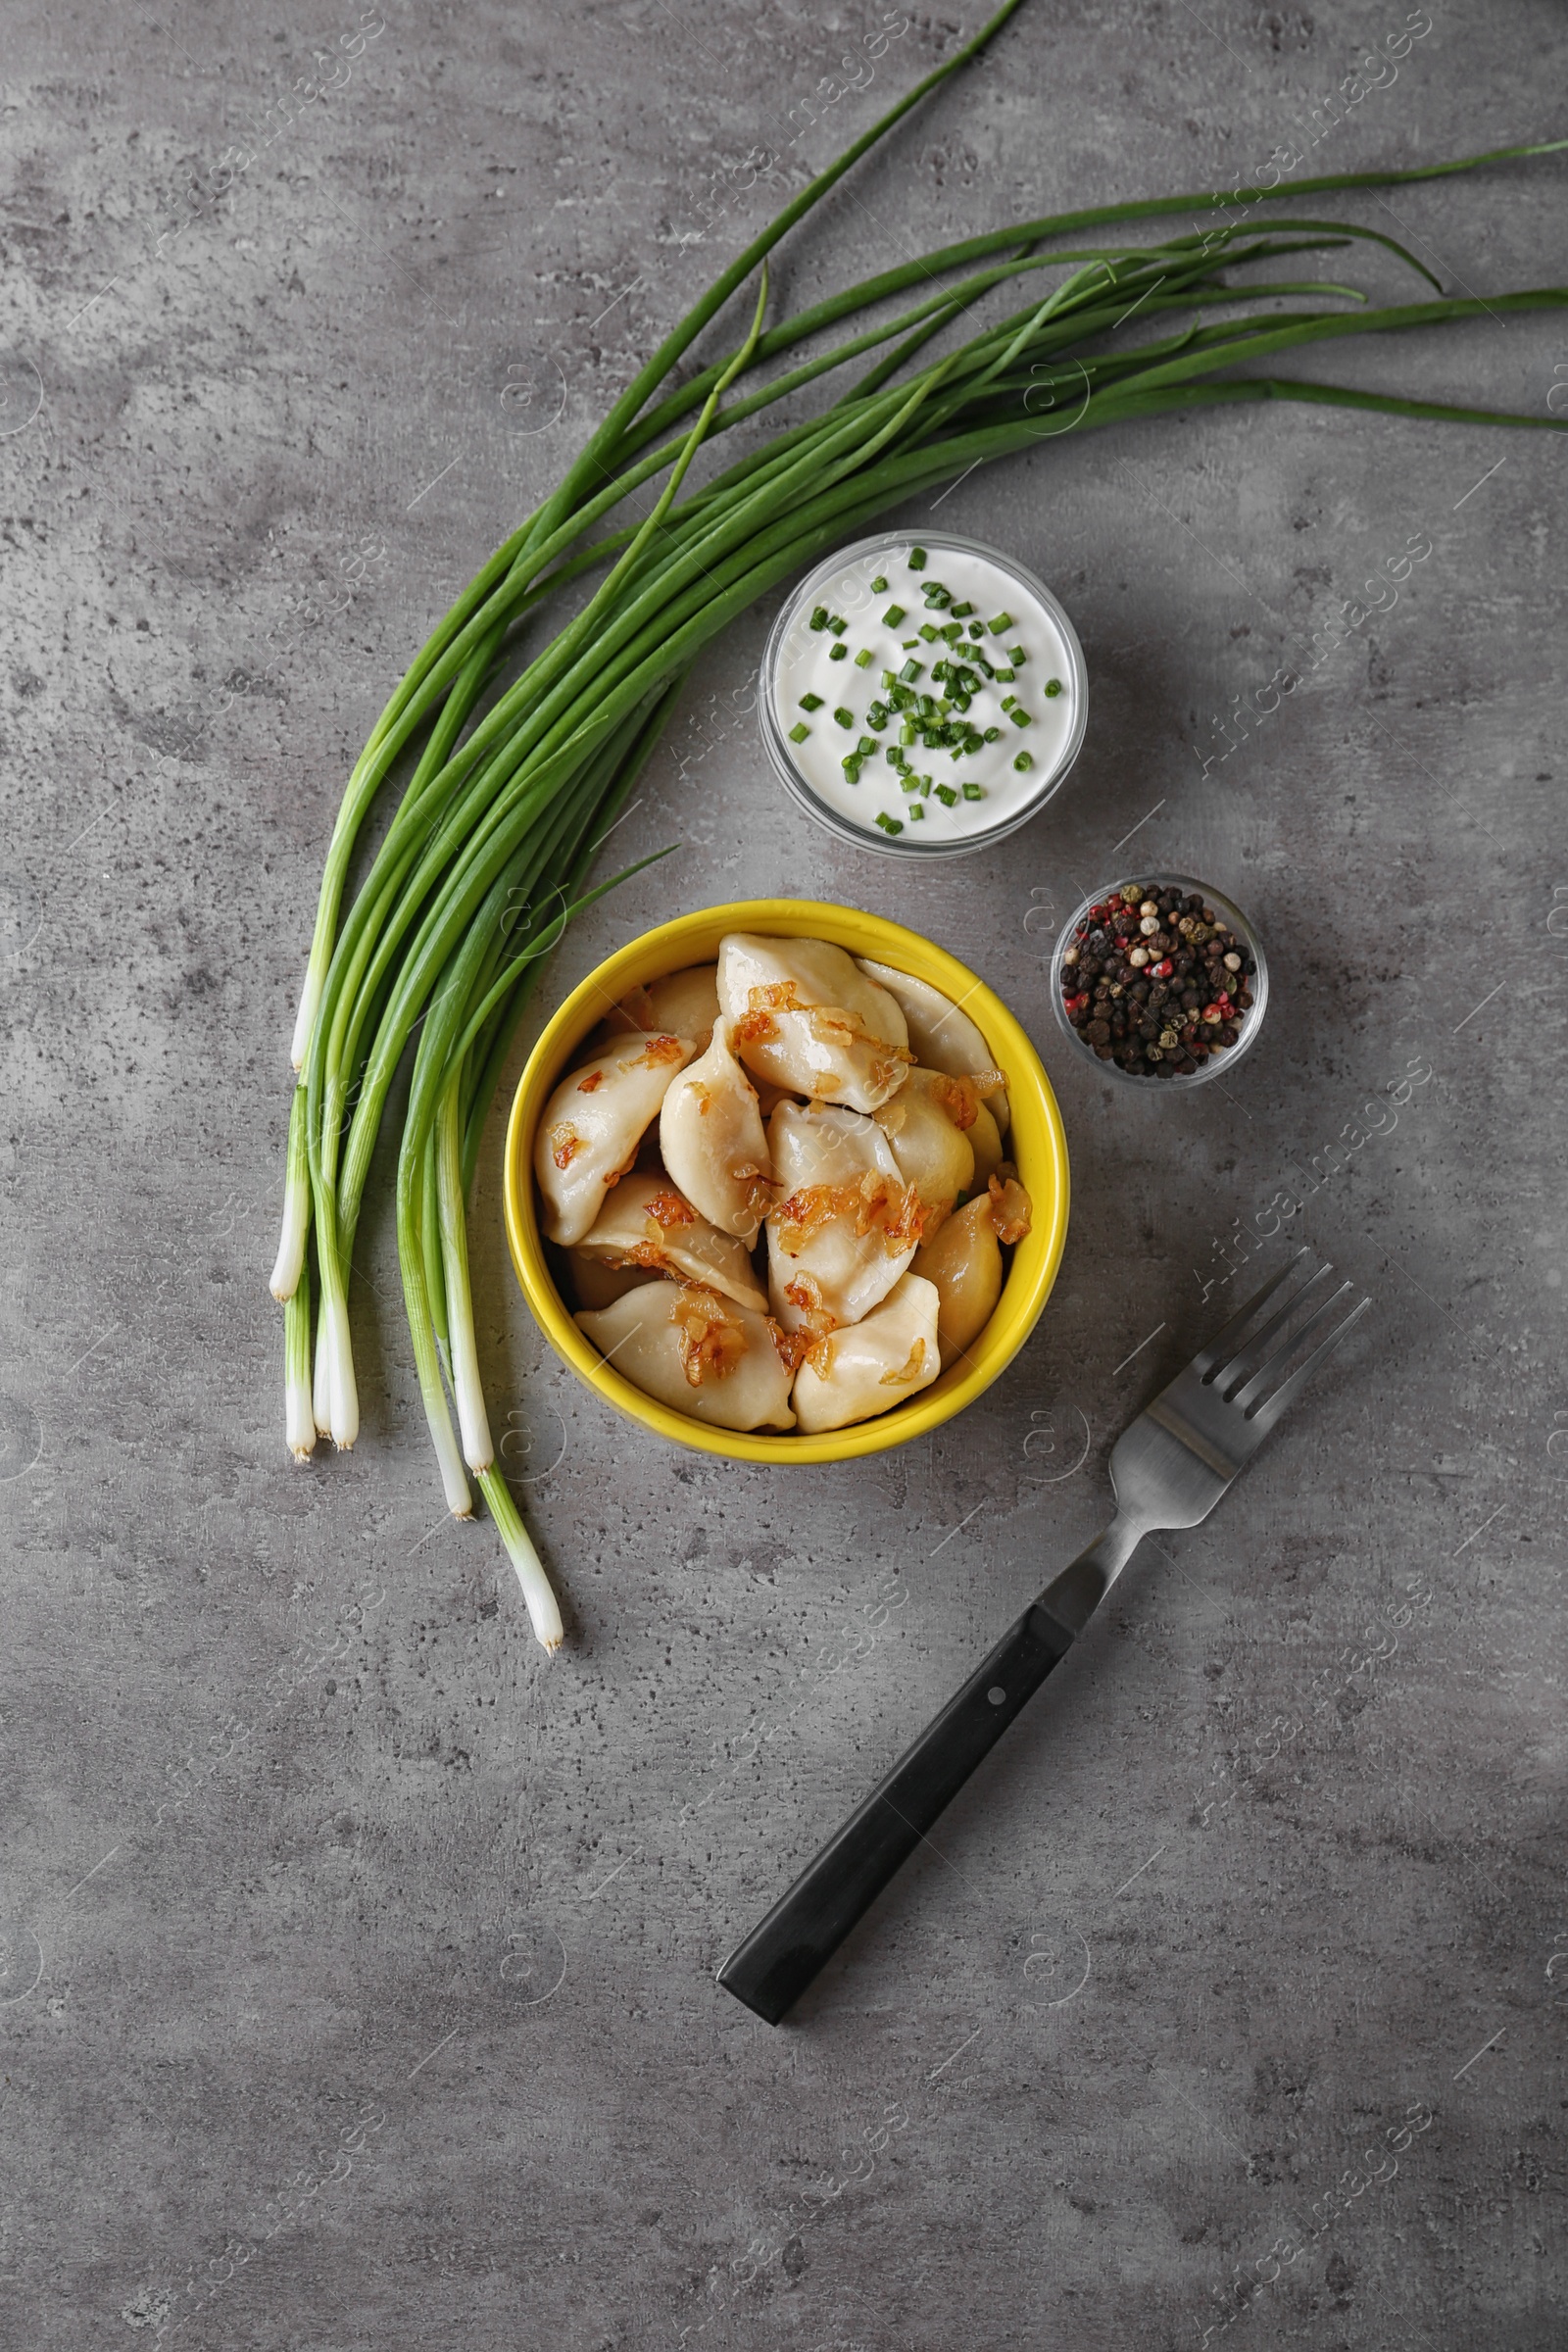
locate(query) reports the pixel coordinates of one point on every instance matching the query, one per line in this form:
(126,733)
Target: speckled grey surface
(357,1986)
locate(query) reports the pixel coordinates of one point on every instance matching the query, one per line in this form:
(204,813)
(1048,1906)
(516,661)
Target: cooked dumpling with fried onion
(941,1033)
(698,1352)
(712,1138)
(932,1148)
(685,1003)
(804,1016)
(964,1263)
(647,1222)
(846,1223)
(592,1125)
(871,1365)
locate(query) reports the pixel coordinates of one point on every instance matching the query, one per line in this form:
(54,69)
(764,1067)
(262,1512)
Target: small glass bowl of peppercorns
(1162,981)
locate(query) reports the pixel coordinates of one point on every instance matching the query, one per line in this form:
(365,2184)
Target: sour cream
(961,678)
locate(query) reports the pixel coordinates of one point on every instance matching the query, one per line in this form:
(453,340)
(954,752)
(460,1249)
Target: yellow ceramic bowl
(1036,1144)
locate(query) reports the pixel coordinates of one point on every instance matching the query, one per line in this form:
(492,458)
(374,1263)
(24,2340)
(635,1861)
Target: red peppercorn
(1164,968)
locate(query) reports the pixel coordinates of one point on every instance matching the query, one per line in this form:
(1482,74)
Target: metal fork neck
(1073,1596)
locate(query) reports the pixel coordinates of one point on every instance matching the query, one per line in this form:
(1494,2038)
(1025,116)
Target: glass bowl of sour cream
(922,696)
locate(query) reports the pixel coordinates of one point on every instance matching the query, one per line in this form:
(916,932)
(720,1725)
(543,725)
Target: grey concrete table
(356,1986)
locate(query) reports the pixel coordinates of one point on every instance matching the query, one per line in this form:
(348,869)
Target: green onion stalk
(518,773)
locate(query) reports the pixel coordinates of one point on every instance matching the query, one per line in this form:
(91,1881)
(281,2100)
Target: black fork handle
(778,1961)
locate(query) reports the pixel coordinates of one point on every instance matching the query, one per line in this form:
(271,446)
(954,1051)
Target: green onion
(1017,656)
(973,791)
(1020,717)
(911,670)
(800,732)
(1053,688)
(864,657)
(837,623)
(1003,621)
(839,653)
(1024,761)
(499,778)
(811,702)
(889,824)
(947,795)
(844,717)
(879,586)
(962,612)
(892,616)
(917,812)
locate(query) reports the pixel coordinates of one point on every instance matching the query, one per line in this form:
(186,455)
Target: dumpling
(933,1151)
(941,1033)
(846,1225)
(684,1003)
(986,1145)
(646,1222)
(592,1125)
(714,1145)
(862,1370)
(964,1263)
(803,1016)
(596,1283)
(697,1353)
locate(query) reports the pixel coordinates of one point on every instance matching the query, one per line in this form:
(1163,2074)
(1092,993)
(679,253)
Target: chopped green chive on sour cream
(933,735)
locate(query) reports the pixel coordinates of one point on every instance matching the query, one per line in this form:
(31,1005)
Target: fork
(1167,1469)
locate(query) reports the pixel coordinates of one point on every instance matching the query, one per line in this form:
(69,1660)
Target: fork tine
(1264,1415)
(1258,1382)
(1229,1334)
(1264,1337)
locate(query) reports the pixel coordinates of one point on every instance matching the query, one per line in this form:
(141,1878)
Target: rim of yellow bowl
(1037,1144)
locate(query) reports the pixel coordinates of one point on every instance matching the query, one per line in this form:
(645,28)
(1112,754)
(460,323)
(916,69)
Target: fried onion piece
(1011,1210)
